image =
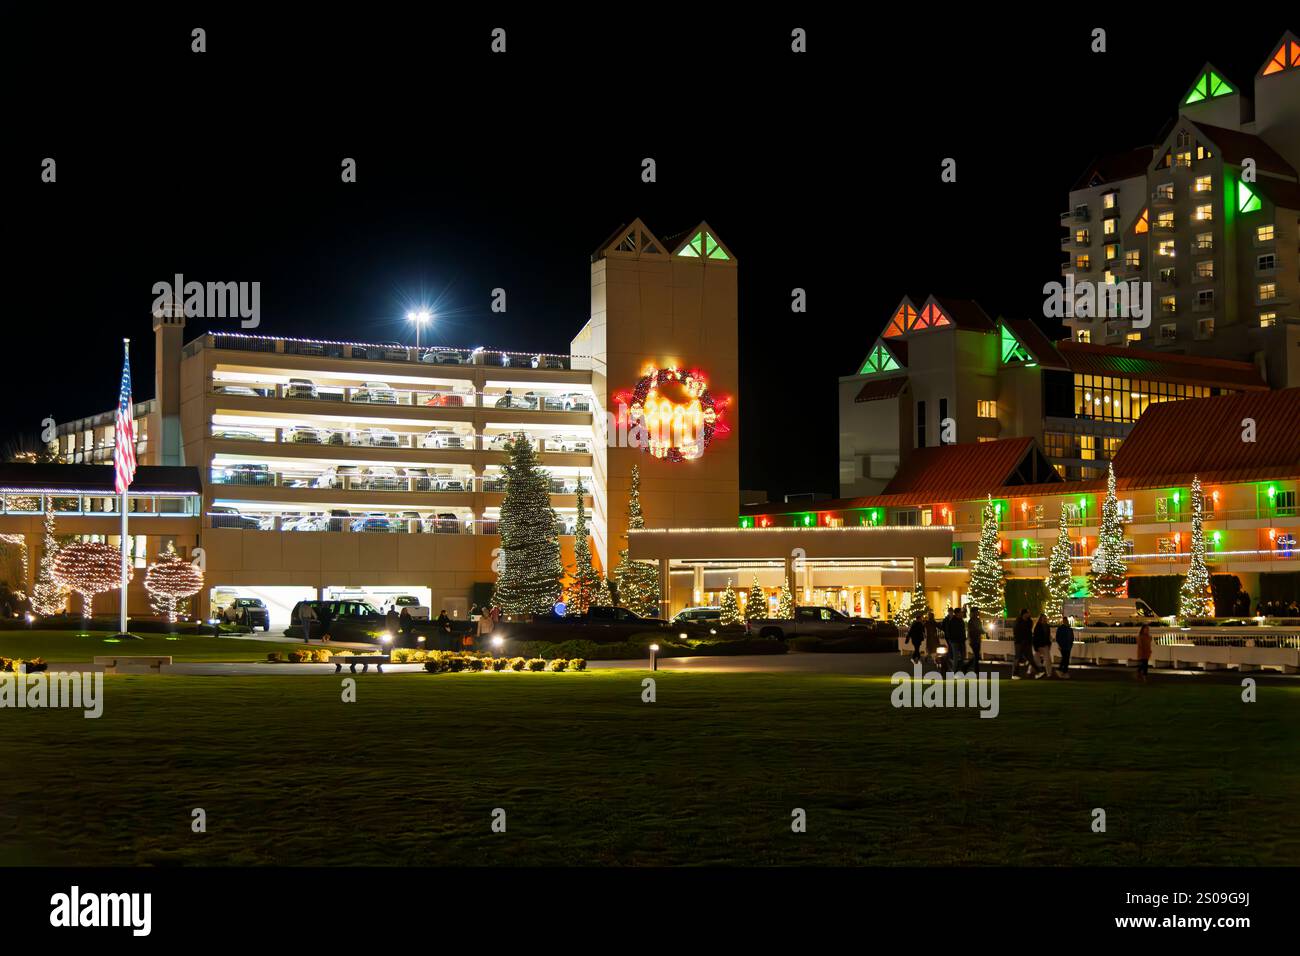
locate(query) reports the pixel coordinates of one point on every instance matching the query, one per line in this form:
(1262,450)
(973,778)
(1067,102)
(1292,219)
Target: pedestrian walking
(306,619)
(1023,637)
(915,635)
(974,634)
(1065,642)
(1144,652)
(954,632)
(932,634)
(1042,641)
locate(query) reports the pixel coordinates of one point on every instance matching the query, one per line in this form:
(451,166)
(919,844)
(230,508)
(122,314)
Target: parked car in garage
(244,473)
(379,478)
(375,393)
(236,434)
(441,438)
(248,611)
(444,357)
(512,401)
(445,400)
(569,444)
(227,517)
(303,433)
(301,388)
(374,438)
(375,522)
(244,390)
(499,442)
(575,402)
(448,483)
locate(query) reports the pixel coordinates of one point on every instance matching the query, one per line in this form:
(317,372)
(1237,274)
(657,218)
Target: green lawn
(84,647)
(588,774)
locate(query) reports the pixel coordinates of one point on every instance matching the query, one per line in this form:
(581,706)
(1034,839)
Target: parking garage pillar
(697,584)
(664,581)
(918,571)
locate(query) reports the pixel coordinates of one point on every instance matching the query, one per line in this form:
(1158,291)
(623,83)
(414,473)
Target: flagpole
(122,614)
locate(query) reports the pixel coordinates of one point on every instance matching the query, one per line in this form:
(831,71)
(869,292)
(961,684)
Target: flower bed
(447,662)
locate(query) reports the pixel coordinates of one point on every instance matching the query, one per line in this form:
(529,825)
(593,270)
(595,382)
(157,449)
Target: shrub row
(442,662)
(302,655)
(14,664)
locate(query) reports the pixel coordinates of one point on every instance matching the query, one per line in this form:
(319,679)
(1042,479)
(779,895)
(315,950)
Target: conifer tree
(1060,583)
(638,581)
(987,583)
(1196,598)
(785,604)
(756,603)
(529,579)
(585,578)
(48,595)
(1109,574)
(730,607)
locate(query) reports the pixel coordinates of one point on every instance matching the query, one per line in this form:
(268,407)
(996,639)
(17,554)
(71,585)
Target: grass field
(589,774)
(83,647)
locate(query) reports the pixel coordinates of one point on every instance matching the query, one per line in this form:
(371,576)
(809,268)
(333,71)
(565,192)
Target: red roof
(879,388)
(1037,341)
(1234,146)
(1173,441)
(966,314)
(1140,363)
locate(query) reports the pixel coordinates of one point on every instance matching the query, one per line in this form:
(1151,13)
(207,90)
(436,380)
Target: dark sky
(478,171)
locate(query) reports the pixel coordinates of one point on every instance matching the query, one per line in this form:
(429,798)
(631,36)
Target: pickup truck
(810,621)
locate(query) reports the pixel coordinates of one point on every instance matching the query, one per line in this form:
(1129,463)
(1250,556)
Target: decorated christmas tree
(730,607)
(918,606)
(585,579)
(1059,582)
(170,580)
(48,595)
(987,584)
(603,598)
(756,603)
(1196,599)
(785,603)
(529,578)
(902,616)
(638,581)
(1109,574)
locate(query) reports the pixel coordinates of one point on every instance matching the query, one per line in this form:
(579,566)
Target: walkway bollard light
(496,645)
(654,660)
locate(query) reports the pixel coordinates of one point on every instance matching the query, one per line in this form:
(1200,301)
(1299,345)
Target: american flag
(124,432)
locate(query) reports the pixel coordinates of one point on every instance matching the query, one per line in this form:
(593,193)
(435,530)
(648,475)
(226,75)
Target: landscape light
(654,660)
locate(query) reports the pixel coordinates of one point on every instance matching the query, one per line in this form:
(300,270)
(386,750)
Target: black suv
(250,612)
(347,620)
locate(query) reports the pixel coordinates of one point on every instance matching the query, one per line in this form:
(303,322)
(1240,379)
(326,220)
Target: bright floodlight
(654,647)
(498,640)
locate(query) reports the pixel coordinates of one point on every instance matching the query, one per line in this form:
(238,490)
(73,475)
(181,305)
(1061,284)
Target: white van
(1109,611)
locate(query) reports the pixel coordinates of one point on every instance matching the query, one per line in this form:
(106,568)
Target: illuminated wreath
(676,411)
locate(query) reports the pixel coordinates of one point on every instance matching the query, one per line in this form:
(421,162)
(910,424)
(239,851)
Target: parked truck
(824,622)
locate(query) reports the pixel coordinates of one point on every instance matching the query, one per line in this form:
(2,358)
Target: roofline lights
(389,345)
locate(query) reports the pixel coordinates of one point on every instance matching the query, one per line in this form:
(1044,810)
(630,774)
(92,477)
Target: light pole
(419,317)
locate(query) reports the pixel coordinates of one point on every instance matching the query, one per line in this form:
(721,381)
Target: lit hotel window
(1108,201)
(1205,269)
(1133,337)
(1267,320)
(1165,191)
(1165,221)
(1108,227)
(1083,335)
(1168,304)
(1166,248)
(1264,233)
(1203,184)
(1204,242)
(987,409)
(1267,290)
(1204,213)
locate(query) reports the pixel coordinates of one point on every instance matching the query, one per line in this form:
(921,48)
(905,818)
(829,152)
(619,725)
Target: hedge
(444,662)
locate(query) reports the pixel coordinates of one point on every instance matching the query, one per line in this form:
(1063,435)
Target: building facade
(341,468)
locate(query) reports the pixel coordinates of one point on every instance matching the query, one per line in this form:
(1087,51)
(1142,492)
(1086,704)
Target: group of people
(946,643)
(1276,609)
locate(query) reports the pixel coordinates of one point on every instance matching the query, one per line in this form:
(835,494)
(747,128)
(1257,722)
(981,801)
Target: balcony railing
(383,352)
(404,483)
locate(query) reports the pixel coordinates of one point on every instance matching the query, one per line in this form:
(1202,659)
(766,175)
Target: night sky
(477,171)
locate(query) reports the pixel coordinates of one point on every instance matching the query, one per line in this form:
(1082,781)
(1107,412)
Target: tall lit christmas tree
(918,605)
(586,582)
(638,581)
(1109,574)
(785,603)
(529,579)
(1059,582)
(987,582)
(1196,598)
(48,595)
(756,603)
(730,607)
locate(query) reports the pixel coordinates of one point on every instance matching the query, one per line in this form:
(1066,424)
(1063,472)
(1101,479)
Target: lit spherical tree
(170,580)
(90,568)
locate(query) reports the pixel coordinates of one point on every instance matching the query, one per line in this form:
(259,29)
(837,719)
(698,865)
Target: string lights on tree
(48,595)
(90,568)
(987,581)
(1196,598)
(730,607)
(170,580)
(586,580)
(756,603)
(638,581)
(785,603)
(528,581)
(1060,583)
(1109,574)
